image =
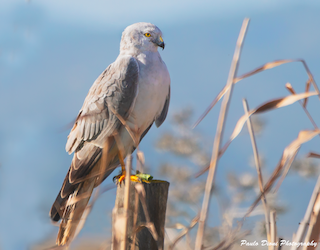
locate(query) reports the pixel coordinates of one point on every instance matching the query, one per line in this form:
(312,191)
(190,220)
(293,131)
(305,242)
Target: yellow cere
(147,34)
(161,39)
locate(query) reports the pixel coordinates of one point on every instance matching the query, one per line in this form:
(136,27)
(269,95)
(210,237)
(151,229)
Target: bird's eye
(147,34)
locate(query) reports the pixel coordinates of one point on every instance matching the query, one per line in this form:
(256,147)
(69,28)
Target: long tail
(71,223)
(75,194)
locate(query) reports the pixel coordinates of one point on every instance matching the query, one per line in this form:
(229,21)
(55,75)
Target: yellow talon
(135,178)
(119,179)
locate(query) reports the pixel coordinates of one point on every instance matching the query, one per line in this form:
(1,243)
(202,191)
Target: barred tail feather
(74,209)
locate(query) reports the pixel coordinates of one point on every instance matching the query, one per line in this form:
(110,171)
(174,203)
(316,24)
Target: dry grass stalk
(285,171)
(123,121)
(126,202)
(231,238)
(218,137)
(313,233)
(305,222)
(104,160)
(258,167)
(72,222)
(117,223)
(266,66)
(273,229)
(184,231)
(270,105)
(135,218)
(314,155)
(310,78)
(140,160)
(304,104)
(289,152)
(308,83)
(89,207)
(103,166)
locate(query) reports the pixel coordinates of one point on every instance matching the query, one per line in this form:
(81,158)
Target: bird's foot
(138,177)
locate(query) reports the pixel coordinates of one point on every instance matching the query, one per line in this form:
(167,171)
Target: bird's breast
(153,88)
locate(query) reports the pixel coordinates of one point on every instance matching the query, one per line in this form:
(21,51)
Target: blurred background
(52,51)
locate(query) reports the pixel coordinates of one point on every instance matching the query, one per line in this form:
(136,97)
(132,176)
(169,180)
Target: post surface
(156,195)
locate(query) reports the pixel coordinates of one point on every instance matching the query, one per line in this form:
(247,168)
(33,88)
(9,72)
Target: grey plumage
(160,119)
(135,87)
(117,90)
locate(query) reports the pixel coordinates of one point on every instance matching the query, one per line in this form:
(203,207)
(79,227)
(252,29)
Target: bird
(123,103)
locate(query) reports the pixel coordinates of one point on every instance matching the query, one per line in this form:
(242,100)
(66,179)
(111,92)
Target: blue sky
(52,51)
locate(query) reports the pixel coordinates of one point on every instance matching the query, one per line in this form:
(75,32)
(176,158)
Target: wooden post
(146,216)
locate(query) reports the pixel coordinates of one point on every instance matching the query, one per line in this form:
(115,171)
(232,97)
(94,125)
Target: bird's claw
(138,177)
(119,179)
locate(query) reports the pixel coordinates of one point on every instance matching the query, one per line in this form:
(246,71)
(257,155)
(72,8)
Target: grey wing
(114,91)
(160,119)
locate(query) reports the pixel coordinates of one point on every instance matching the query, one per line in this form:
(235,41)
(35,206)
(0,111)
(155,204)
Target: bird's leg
(122,176)
(118,179)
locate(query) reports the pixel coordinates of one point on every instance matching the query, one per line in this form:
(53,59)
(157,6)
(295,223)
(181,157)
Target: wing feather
(115,87)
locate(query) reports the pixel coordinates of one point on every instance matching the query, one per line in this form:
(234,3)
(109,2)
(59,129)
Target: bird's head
(142,36)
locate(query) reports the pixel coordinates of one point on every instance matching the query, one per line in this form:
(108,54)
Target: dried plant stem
(126,202)
(273,229)
(291,90)
(258,167)
(315,86)
(289,152)
(313,233)
(288,165)
(285,171)
(266,66)
(270,105)
(184,232)
(219,134)
(135,217)
(304,223)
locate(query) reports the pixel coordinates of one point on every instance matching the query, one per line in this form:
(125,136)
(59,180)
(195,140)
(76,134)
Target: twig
(291,90)
(132,134)
(258,167)
(313,233)
(303,105)
(126,201)
(218,137)
(267,106)
(311,77)
(304,223)
(289,152)
(184,232)
(273,230)
(266,66)
(285,171)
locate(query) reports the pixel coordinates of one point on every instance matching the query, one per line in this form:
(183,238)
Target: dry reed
(219,134)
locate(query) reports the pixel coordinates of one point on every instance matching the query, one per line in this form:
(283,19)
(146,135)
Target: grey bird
(122,104)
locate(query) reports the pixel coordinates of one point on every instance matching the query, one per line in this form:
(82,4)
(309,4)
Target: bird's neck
(138,52)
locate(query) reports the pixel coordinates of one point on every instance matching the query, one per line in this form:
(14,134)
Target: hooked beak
(160,43)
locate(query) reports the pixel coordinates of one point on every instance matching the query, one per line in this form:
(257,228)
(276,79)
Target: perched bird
(121,106)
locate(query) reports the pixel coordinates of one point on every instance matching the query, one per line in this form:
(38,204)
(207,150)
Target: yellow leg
(138,177)
(118,179)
